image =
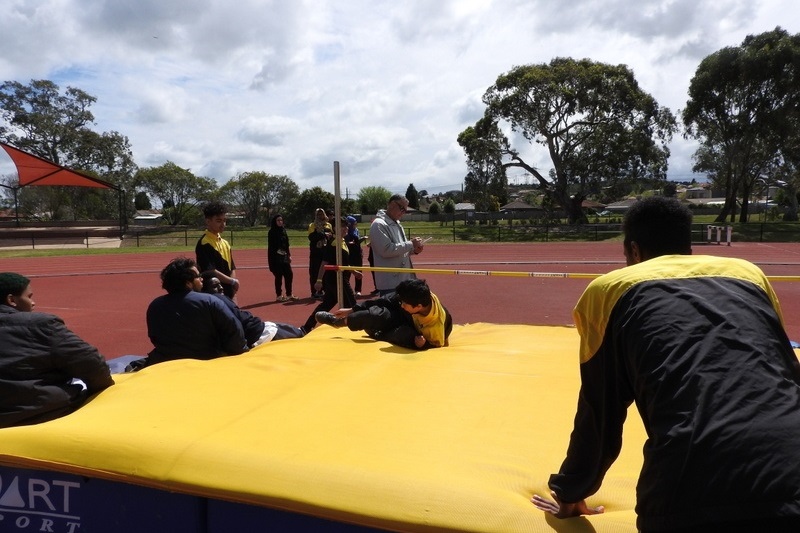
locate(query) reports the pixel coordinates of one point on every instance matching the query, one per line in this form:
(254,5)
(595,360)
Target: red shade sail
(34,170)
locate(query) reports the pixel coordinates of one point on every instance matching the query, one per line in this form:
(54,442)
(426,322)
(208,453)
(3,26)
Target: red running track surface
(103,298)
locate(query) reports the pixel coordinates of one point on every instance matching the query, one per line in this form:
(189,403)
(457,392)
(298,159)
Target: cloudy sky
(383,87)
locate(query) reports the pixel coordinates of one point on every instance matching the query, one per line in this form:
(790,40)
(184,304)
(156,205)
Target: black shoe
(324,317)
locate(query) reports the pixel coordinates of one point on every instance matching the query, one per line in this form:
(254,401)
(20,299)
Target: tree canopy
(177,189)
(595,122)
(372,198)
(743,108)
(41,119)
(259,195)
(301,211)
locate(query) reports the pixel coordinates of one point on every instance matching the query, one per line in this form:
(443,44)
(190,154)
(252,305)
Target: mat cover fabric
(347,428)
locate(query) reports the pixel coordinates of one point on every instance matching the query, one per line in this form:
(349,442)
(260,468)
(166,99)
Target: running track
(103,298)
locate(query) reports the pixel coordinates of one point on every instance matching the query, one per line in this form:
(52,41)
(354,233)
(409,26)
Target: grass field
(179,239)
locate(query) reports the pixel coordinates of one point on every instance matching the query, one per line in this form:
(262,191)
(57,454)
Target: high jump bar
(500,273)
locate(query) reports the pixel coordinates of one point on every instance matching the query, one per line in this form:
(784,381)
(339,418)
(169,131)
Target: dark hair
(273,224)
(175,275)
(12,283)
(414,292)
(660,226)
(213,209)
(207,276)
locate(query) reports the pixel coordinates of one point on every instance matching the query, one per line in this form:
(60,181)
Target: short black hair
(212,209)
(207,276)
(660,226)
(12,283)
(414,292)
(175,275)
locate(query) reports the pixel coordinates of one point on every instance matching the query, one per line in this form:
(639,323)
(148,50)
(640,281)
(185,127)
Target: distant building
(518,206)
(695,193)
(591,204)
(147,217)
(622,206)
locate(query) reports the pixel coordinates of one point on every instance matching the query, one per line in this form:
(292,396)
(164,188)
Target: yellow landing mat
(342,427)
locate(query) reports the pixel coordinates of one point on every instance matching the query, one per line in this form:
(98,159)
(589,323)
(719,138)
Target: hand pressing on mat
(560,509)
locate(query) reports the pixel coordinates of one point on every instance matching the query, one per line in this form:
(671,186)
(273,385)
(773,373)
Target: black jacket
(39,357)
(192,325)
(697,342)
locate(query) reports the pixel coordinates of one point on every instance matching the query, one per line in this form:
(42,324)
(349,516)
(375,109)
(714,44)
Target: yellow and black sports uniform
(436,325)
(214,253)
(330,283)
(698,343)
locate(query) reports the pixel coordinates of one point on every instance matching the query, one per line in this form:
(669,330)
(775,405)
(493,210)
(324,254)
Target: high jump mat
(332,432)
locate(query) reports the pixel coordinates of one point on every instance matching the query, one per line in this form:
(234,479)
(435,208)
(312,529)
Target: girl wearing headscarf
(279,258)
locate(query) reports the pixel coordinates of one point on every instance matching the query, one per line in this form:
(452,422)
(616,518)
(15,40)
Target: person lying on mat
(256,331)
(411,317)
(188,324)
(698,343)
(46,370)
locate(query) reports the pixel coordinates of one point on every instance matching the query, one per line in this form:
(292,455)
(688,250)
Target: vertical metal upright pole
(16,205)
(337,212)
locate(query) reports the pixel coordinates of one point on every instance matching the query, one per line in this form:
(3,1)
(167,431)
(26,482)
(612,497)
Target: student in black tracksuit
(327,279)
(698,343)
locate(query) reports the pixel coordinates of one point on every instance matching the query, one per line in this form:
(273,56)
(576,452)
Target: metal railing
(443,231)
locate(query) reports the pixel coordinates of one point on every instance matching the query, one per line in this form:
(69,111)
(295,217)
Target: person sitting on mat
(256,331)
(412,317)
(187,324)
(46,370)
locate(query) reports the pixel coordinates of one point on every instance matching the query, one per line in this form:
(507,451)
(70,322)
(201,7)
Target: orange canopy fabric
(34,170)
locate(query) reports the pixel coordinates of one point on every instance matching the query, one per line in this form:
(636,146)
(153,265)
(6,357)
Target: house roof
(519,205)
(622,205)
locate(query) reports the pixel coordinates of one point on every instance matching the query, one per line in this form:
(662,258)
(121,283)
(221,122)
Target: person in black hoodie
(279,259)
(327,280)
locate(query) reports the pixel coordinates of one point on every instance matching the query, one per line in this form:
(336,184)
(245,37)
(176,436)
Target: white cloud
(383,87)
